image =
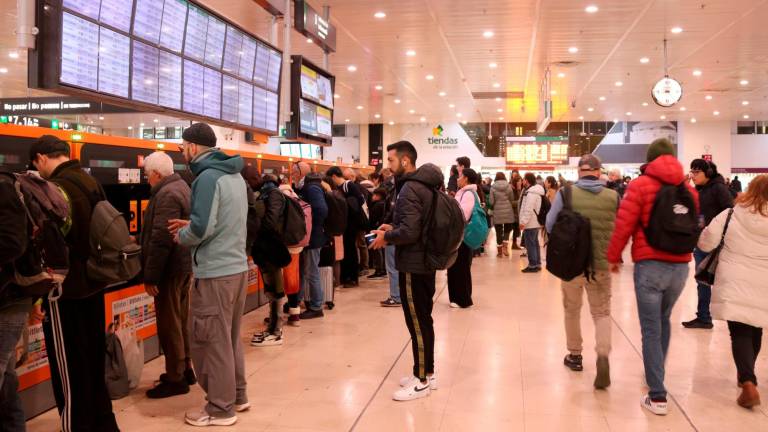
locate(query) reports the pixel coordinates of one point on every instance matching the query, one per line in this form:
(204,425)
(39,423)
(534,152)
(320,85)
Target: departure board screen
(174,54)
(312,104)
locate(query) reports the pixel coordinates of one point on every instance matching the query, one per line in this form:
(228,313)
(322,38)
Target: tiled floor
(499,365)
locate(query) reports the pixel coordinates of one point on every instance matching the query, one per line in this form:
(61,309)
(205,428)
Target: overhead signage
(438,141)
(34,121)
(314,26)
(537,150)
(56,105)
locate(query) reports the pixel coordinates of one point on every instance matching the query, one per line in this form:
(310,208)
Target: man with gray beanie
(216,233)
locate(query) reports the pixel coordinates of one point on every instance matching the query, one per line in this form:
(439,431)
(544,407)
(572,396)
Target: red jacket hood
(666,169)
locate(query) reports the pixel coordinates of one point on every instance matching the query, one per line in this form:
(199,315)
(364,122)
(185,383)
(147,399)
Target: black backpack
(541,215)
(336,222)
(444,231)
(674,225)
(569,250)
(294,223)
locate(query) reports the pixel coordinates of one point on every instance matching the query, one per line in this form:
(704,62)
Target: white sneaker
(242,407)
(454,305)
(404,381)
(202,418)
(415,389)
(265,338)
(658,408)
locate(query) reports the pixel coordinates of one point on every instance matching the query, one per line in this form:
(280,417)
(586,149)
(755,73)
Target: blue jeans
(394,281)
(12,417)
(705,291)
(311,279)
(531,241)
(657,287)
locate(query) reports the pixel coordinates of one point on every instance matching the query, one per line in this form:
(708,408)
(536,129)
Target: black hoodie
(714,198)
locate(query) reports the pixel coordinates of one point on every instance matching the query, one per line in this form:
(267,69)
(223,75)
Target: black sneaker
(531,269)
(698,324)
(309,314)
(286,308)
(390,302)
(189,377)
(573,362)
(168,389)
(377,276)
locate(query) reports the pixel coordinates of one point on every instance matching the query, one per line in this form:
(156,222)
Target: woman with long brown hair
(740,291)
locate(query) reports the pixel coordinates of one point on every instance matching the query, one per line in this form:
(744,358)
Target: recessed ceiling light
(501,118)
(412,111)
(615,120)
(573,50)
(380,15)
(429,77)
(693,120)
(441,94)
(629,113)
(696,72)
(451,106)
(717,113)
(581,117)
(346,120)
(708,97)
(618,83)
(101,117)
(663,117)
(500,110)
(746,116)
(397,101)
(379,87)
(391,123)
(602,98)
(492,65)
(309,40)
(13,54)
(141,124)
(464,122)
(645,104)
(488,34)
(553,92)
(130,127)
(745,103)
(336,96)
(561,75)
(410,53)
(377,115)
(3,70)
(359,107)
(352,68)
(645,60)
(423,119)
(590,109)
(744,82)
(496,85)
(676,30)
(591,9)
(458,114)
(498,99)
(155,120)
(683,109)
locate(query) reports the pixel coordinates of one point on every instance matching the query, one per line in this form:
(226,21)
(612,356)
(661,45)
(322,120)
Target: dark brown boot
(749,395)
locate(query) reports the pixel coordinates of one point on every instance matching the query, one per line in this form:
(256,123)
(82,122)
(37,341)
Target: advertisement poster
(35,369)
(134,304)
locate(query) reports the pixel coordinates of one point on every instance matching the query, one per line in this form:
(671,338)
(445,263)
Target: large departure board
(169,54)
(311,102)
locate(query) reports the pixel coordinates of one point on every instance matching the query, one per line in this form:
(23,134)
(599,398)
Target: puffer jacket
(501,199)
(413,203)
(739,293)
(163,259)
(530,206)
(312,192)
(714,197)
(635,212)
(13,243)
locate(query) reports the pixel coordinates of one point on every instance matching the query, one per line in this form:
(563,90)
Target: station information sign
(165,54)
(537,150)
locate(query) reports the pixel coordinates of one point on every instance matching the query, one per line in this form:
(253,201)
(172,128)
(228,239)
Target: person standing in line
(168,273)
(216,233)
(529,223)
(551,187)
(517,194)
(390,261)
(416,189)
(714,197)
(736,186)
(350,264)
(740,292)
(501,200)
(460,273)
(310,189)
(659,276)
(453,179)
(598,204)
(378,212)
(462,163)
(74,324)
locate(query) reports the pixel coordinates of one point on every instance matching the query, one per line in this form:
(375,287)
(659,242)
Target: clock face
(667,92)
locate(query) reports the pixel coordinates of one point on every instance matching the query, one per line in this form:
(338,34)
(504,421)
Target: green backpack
(477,228)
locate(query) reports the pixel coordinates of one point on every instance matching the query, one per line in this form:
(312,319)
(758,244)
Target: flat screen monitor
(324,92)
(324,123)
(308,83)
(308,117)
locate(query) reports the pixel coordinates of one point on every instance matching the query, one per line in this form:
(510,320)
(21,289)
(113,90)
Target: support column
(711,137)
(285,92)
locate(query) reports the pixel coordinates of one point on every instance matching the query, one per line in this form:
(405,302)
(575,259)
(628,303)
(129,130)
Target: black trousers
(416,293)
(745,345)
(350,265)
(502,233)
(515,232)
(75,343)
(460,278)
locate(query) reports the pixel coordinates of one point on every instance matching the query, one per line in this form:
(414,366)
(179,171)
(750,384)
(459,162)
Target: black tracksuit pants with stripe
(75,343)
(416,293)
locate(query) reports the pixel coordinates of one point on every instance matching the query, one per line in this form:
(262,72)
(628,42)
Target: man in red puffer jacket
(659,276)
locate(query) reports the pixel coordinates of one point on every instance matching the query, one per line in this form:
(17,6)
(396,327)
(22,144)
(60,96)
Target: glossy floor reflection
(499,365)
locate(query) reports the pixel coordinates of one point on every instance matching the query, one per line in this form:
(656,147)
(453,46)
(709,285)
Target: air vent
(566,64)
(494,95)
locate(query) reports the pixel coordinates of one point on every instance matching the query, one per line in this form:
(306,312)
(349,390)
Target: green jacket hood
(219,160)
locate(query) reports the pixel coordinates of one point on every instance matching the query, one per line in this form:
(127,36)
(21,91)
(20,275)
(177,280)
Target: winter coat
(466,198)
(312,193)
(162,258)
(13,242)
(217,230)
(740,292)
(414,202)
(530,206)
(378,211)
(502,201)
(714,197)
(635,212)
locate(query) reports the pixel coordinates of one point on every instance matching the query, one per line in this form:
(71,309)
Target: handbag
(707,269)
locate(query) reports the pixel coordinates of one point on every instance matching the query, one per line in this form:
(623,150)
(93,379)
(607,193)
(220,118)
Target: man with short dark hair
(463,162)
(415,192)
(74,324)
(355,200)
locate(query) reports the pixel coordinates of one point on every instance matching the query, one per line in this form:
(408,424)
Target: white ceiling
(725,39)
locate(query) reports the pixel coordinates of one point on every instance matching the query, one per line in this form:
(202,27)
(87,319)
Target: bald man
(308,186)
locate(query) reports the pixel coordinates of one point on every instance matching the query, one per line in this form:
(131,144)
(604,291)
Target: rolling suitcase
(326,280)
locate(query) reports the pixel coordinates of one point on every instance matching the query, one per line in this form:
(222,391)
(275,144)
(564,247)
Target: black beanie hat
(201,134)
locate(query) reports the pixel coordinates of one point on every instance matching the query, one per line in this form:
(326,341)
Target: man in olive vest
(598,204)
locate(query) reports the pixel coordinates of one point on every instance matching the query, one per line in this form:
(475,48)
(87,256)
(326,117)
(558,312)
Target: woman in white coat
(740,292)
(460,273)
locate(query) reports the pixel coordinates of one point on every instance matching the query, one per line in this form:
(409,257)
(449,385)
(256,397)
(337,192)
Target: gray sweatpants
(216,308)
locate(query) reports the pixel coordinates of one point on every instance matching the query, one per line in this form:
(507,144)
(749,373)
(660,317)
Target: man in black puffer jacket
(415,192)
(714,198)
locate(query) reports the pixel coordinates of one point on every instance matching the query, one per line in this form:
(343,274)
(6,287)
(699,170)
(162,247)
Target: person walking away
(416,188)
(659,275)
(378,212)
(599,205)
(168,273)
(501,201)
(389,251)
(735,187)
(74,324)
(216,233)
(714,197)
(529,224)
(310,189)
(616,182)
(740,292)
(517,194)
(460,273)
(350,264)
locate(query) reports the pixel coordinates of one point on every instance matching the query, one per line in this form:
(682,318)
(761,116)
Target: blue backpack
(477,228)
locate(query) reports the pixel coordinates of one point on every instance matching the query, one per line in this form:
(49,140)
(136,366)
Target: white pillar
(285,93)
